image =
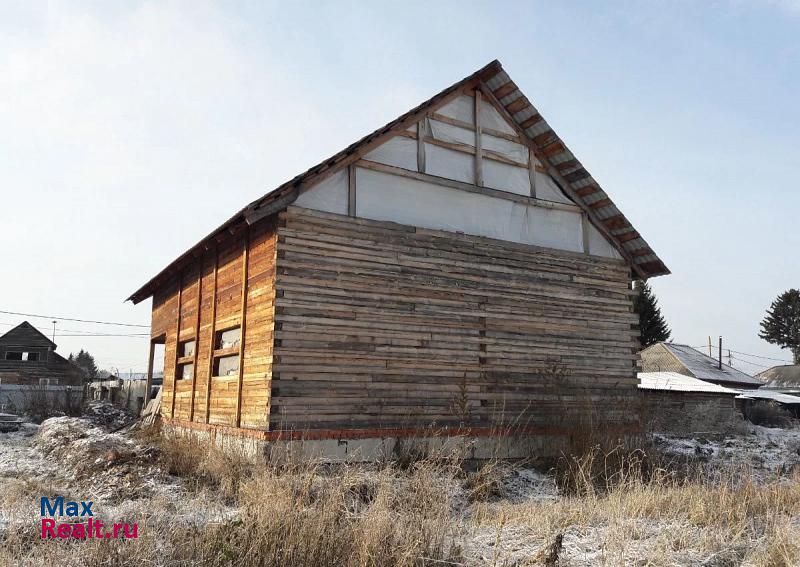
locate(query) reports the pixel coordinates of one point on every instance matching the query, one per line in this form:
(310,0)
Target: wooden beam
(196,335)
(256,214)
(532,171)
(242,328)
(421,145)
(351,191)
(149,380)
(213,336)
(585,230)
(177,346)
(467,126)
(478,141)
(556,175)
(468,187)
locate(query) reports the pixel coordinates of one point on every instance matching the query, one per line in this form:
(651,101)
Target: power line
(705,347)
(102,335)
(51,317)
(748,362)
(84,332)
(763,357)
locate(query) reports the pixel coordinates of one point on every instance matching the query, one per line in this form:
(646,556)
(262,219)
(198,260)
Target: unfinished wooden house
(457,268)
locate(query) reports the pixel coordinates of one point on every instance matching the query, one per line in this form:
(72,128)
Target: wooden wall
(383,325)
(213,284)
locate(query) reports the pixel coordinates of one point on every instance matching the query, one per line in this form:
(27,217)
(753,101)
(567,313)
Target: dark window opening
(27,356)
(187,348)
(228,338)
(226,366)
(185,371)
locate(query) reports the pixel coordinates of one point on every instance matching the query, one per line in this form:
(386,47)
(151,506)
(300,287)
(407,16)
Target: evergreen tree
(85,362)
(653,327)
(781,326)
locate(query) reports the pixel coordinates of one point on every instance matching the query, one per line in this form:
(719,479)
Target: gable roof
(503,93)
(784,376)
(706,368)
(26,335)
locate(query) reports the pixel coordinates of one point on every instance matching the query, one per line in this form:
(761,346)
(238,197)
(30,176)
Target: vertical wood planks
(478,141)
(212,339)
(242,326)
(177,346)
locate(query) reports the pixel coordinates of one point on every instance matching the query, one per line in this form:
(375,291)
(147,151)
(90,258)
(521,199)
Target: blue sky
(130,130)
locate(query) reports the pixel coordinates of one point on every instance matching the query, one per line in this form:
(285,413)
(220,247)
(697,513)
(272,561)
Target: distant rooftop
(787,376)
(674,382)
(683,359)
(771,395)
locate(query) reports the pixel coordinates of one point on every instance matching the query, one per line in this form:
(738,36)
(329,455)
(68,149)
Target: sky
(129,130)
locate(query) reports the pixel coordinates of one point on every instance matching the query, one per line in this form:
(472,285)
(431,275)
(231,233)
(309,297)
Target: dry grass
(635,513)
(618,507)
(305,514)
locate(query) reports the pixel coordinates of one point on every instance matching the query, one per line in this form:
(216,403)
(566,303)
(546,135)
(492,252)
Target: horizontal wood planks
(379,324)
(219,299)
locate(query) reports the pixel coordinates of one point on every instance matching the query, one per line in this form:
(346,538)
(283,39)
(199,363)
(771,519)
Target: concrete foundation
(359,446)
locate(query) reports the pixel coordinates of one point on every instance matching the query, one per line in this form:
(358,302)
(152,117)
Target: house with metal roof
(681,404)
(457,268)
(683,359)
(785,378)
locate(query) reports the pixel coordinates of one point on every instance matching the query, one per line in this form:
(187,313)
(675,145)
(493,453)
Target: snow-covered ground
(74,458)
(764,452)
(83,459)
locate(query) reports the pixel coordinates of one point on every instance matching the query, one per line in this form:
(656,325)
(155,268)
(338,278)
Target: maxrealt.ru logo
(69,528)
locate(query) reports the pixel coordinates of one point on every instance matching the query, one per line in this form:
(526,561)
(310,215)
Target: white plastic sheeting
(400,151)
(449,133)
(547,189)
(599,246)
(329,195)
(505,148)
(557,229)
(382,196)
(505,177)
(451,164)
(461,108)
(490,118)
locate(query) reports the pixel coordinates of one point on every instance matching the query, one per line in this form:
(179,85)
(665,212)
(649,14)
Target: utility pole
(720,352)
(709,347)
(730,358)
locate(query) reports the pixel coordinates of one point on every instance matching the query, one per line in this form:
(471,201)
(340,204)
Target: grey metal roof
(706,368)
(772,395)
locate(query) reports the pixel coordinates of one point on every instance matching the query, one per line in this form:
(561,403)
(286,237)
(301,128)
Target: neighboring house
(28,357)
(676,403)
(785,379)
(786,401)
(671,357)
(456,268)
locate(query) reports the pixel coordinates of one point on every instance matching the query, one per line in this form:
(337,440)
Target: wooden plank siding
(382,325)
(220,299)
